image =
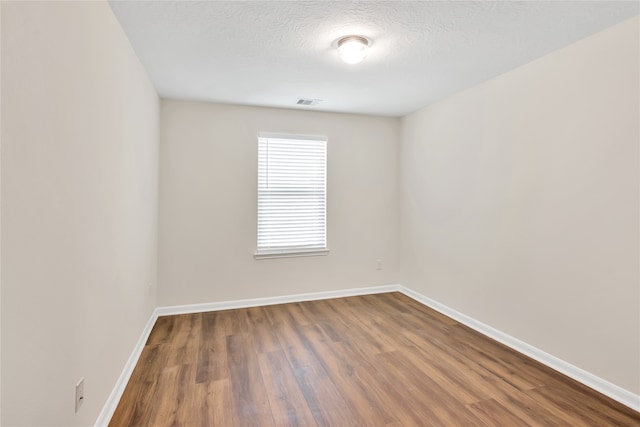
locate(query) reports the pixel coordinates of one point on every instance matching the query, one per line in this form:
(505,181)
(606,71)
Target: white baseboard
(256,302)
(114,398)
(615,392)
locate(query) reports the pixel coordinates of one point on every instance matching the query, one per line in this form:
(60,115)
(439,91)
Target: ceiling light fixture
(353,49)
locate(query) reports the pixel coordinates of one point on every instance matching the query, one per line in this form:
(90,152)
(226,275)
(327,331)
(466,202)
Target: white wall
(208,203)
(79,208)
(520,203)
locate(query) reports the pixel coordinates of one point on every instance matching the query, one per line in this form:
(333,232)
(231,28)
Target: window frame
(290,252)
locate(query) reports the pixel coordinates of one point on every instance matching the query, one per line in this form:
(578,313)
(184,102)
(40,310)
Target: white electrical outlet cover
(79,393)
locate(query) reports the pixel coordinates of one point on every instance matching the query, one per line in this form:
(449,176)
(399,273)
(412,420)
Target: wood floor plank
(142,388)
(325,401)
(494,414)
(186,338)
(168,399)
(212,353)
(223,415)
(201,405)
(416,411)
(162,330)
(447,409)
(450,376)
(250,401)
(534,413)
(341,371)
(288,404)
(185,396)
(359,329)
(372,360)
(264,336)
(590,411)
(289,335)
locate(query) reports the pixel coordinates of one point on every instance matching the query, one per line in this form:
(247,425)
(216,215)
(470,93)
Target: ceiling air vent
(308,102)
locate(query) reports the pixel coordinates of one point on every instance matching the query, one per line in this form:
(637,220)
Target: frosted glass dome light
(352,49)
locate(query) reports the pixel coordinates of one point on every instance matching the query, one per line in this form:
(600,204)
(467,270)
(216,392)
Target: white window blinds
(292,172)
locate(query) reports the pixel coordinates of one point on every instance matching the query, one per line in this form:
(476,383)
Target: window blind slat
(291,193)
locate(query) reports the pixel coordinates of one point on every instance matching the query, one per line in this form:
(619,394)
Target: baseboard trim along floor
(256,302)
(613,391)
(113,399)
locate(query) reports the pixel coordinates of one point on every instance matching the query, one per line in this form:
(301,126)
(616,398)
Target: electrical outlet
(79,393)
(378,264)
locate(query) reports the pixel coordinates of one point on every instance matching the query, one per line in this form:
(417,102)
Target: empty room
(319,213)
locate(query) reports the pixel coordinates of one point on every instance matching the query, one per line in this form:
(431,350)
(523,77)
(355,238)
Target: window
(292,208)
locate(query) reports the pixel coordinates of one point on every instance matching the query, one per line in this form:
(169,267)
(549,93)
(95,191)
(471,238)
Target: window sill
(290,254)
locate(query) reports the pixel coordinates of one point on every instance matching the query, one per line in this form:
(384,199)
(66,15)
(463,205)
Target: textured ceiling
(271,53)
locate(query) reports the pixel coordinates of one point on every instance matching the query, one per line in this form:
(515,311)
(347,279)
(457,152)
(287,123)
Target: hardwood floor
(375,360)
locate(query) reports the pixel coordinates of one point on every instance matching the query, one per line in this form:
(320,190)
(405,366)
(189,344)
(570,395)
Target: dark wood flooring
(375,360)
